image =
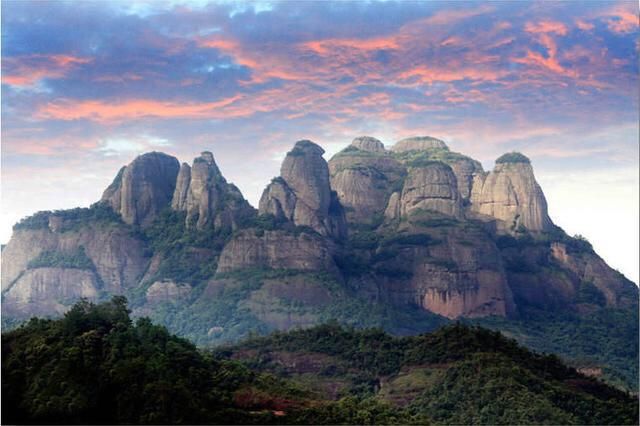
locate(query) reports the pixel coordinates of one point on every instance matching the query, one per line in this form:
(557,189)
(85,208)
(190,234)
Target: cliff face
(47,291)
(143,188)
(276,250)
(415,226)
(206,197)
(433,187)
(364,176)
(511,194)
(302,194)
(118,258)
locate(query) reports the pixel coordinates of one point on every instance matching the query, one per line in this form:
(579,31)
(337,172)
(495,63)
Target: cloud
(29,69)
(133,109)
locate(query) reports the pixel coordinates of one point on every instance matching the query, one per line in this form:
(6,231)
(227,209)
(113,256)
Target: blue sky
(86,86)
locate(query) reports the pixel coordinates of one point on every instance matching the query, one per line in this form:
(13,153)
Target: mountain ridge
(417,231)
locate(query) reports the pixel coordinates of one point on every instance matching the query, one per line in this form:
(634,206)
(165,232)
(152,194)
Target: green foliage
(77,259)
(423,158)
(483,377)
(169,236)
(423,240)
(606,337)
(513,157)
(96,366)
(589,293)
(268,222)
(98,213)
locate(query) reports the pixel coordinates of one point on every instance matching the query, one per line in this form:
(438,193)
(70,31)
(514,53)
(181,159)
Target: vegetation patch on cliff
(513,157)
(76,259)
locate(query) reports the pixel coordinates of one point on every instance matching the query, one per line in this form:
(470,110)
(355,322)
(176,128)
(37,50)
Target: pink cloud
(28,70)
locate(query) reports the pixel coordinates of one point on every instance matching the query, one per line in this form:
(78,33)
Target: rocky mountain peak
(143,188)
(368,143)
(418,143)
(302,194)
(204,194)
(207,156)
(511,194)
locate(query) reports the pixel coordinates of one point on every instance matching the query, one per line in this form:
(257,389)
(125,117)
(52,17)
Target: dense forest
(96,365)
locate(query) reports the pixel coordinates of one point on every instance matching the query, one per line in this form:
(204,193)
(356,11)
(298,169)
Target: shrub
(513,157)
(77,259)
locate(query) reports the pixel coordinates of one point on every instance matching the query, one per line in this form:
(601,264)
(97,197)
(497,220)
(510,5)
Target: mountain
(406,239)
(96,366)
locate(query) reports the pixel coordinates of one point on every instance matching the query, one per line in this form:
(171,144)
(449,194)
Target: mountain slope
(96,366)
(404,239)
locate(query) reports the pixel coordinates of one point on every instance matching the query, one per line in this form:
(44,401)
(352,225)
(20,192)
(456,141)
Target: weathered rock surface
(204,194)
(276,250)
(466,170)
(589,267)
(364,176)
(414,239)
(302,194)
(418,143)
(44,291)
(167,291)
(143,188)
(433,187)
(511,194)
(459,274)
(367,143)
(119,258)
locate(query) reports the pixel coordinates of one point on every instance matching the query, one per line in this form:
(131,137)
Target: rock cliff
(143,188)
(302,194)
(206,197)
(276,250)
(418,143)
(119,259)
(48,291)
(373,230)
(432,187)
(511,194)
(364,175)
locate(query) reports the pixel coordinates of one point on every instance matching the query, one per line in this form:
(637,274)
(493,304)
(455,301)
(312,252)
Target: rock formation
(364,175)
(276,250)
(44,291)
(302,194)
(118,257)
(416,225)
(511,194)
(143,188)
(433,187)
(418,143)
(206,197)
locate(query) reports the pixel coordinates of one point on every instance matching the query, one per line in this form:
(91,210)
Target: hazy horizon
(87,86)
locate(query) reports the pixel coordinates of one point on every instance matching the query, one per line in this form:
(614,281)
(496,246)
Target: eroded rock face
(42,291)
(143,188)
(433,187)
(119,258)
(466,170)
(367,143)
(418,143)
(511,194)
(459,274)
(363,179)
(204,194)
(590,268)
(302,194)
(276,250)
(167,291)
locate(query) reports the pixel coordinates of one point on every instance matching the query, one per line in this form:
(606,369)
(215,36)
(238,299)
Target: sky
(87,86)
